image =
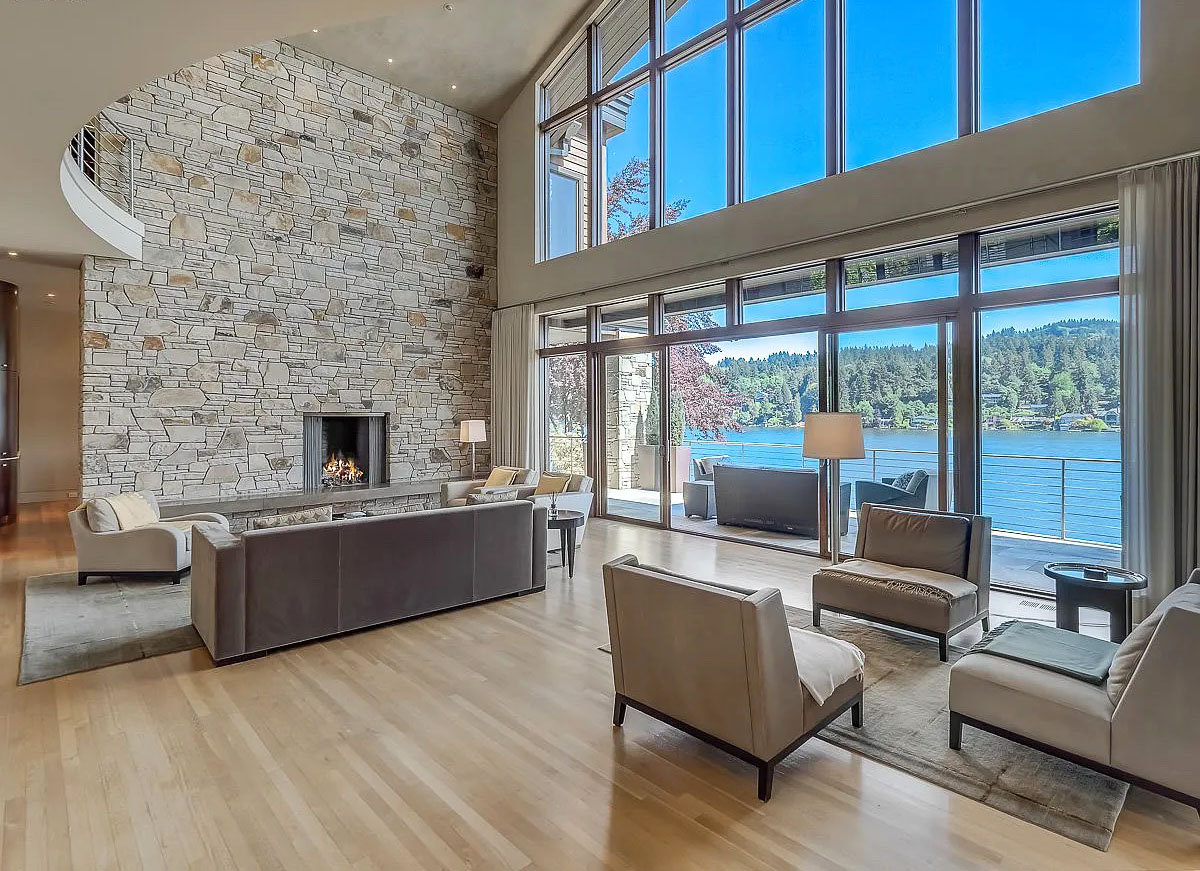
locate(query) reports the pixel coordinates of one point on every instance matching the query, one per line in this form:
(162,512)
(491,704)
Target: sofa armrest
(219,590)
(459,490)
(523,491)
(1154,734)
(877,493)
(157,547)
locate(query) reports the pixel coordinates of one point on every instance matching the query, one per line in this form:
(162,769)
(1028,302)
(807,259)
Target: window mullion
(597,212)
(968,67)
(835,86)
(734,117)
(656,202)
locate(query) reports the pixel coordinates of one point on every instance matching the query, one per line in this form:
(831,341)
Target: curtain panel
(516,389)
(1160,374)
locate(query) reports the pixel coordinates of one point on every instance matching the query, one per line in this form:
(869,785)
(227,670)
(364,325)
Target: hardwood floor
(476,739)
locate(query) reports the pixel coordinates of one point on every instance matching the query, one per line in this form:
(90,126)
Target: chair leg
(944,647)
(987,624)
(618,712)
(816,616)
(766,780)
(856,714)
(955,731)
(83,576)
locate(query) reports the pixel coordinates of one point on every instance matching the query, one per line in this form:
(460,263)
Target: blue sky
(1036,55)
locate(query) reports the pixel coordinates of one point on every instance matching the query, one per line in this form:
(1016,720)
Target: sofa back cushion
(917,539)
(1130,653)
(489,498)
(580,484)
(124,511)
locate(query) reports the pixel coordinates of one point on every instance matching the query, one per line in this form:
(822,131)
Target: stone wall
(317,240)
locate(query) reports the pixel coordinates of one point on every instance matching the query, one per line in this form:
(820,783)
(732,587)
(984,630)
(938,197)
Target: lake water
(1059,484)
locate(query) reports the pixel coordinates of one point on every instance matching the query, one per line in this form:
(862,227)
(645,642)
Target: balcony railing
(104,154)
(1076,499)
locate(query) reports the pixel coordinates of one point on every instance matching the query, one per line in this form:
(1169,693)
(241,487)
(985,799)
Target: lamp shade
(472,431)
(833,436)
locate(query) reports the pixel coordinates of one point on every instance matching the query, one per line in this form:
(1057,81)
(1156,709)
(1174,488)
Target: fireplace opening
(344,450)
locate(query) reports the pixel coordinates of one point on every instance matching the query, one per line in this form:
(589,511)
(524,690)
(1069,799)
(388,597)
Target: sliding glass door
(633,457)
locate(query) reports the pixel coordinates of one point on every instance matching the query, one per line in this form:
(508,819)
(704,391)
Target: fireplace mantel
(289,499)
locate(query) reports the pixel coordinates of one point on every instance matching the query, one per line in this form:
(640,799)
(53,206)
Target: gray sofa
(780,500)
(269,588)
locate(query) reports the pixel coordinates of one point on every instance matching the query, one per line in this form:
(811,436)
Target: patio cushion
(1043,705)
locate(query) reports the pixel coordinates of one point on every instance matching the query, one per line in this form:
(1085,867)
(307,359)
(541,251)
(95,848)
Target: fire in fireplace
(344,450)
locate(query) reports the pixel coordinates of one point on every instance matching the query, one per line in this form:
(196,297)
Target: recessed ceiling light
(50,295)
(448,7)
(315,30)
(12,253)
(391,60)
(454,87)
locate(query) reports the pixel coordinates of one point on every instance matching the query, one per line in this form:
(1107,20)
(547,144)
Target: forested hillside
(1068,366)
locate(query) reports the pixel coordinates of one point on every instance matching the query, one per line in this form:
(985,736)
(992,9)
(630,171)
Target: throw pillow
(100,516)
(501,476)
(323,514)
(132,510)
(488,498)
(549,485)
(901,482)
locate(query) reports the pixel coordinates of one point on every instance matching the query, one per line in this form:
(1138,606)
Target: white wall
(1068,158)
(50,381)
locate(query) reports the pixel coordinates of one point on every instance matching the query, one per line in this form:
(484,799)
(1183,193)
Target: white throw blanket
(824,663)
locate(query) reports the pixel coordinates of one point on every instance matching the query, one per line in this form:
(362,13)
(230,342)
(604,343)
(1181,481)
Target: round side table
(566,522)
(1106,588)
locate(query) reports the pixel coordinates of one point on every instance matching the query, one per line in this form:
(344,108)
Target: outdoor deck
(1017,558)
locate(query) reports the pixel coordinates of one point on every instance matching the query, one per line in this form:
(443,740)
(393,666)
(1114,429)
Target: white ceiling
(485,47)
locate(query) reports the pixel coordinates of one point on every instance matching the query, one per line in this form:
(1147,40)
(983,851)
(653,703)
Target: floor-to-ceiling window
(985,368)
(674,109)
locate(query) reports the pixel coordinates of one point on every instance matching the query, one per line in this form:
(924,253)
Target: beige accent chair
(925,571)
(455,493)
(716,662)
(1139,726)
(577,497)
(158,549)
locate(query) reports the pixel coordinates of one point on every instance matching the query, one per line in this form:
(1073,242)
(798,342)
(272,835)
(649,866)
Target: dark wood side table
(1109,589)
(566,522)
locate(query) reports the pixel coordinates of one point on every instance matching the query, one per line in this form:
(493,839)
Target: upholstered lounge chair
(925,571)
(910,490)
(153,548)
(1138,726)
(720,663)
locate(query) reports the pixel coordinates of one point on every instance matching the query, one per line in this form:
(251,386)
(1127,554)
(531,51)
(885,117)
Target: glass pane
(624,39)
(566,414)
(928,272)
(784,102)
(566,187)
(625,124)
(901,77)
(632,452)
(1070,249)
(566,328)
(568,84)
(741,405)
(1050,409)
(791,294)
(694,136)
(701,308)
(624,320)
(1036,56)
(691,18)
(890,378)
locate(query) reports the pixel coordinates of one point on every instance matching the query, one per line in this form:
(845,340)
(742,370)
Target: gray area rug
(69,628)
(907,726)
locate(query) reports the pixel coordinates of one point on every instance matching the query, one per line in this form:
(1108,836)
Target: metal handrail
(104,154)
(1057,475)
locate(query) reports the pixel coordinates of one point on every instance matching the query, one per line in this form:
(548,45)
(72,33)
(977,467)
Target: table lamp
(834,436)
(472,432)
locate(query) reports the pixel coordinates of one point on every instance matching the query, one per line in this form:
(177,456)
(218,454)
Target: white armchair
(162,549)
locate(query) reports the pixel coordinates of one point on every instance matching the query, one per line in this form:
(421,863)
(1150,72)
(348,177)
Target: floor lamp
(834,436)
(472,432)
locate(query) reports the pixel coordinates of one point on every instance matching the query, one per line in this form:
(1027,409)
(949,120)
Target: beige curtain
(516,391)
(1160,373)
